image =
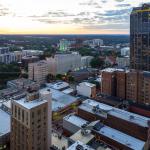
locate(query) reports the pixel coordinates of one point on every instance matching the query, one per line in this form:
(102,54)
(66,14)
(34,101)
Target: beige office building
(62,63)
(31,121)
(38,71)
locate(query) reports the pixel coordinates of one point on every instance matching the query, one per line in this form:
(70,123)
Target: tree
(71,78)
(8,72)
(59,76)
(50,77)
(96,63)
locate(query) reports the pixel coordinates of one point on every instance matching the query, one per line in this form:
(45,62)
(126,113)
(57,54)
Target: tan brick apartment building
(131,85)
(31,122)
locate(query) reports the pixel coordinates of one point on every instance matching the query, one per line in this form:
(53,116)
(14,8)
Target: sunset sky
(66,16)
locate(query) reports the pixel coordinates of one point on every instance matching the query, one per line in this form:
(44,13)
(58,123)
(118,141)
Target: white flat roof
(30,104)
(122,138)
(58,85)
(7,104)
(85,147)
(75,120)
(60,99)
(4,123)
(125,115)
(87,84)
(111,69)
(68,91)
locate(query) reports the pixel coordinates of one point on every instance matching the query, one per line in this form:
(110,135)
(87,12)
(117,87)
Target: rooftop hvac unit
(131,117)
(79,147)
(148,123)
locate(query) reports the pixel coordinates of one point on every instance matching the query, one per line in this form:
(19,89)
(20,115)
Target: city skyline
(66,16)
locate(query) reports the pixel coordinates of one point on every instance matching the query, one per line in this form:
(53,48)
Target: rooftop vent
(148,123)
(131,117)
(79,147)
(96,108)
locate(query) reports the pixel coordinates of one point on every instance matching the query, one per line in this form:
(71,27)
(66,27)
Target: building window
(15,111)
(27,118)
(19,113)
(22,115)
(32,114)
(39,112)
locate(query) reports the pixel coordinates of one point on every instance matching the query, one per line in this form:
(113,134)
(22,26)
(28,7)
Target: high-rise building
(62,63)
(108,86)
(144,87)
(94,43)
(64,45)
(125,51)
(131,85)
(113,82)
(31,121)
(38,71)
(140,38)
(123,62)
(121,82)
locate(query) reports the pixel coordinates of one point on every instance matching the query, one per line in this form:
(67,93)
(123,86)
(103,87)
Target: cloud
(4,11)
(104,1)
(117,12)
(123,5)
(91,3)
(119,0)
(111,26)
(92,14)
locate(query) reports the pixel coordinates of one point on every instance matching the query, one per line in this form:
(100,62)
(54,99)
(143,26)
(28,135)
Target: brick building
(108,86)
(31,122)
(121,84)
(144,87)
(129,123)
(131,85)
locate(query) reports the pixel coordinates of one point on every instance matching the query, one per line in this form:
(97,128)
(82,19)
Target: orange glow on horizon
(62,31)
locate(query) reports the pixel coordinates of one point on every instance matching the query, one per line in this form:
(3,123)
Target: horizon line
(61,34)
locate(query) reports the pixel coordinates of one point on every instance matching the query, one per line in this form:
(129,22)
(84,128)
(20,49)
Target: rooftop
(125,48)
(75,120)
(122,138)
(59,143)
(30,50)
(8,91)
(60,99)
(125,115)
(68,91)
(7,104)
(29,104)
(58,85)
(79,144)
(21,82)
(80,137)
(111,70)
(4,123)
(87,84)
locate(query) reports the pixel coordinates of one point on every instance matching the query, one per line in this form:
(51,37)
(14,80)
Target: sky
(66,16)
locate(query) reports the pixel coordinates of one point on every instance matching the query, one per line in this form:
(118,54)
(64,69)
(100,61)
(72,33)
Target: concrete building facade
(38,71)
(62,63)
(123,62)
(86,89)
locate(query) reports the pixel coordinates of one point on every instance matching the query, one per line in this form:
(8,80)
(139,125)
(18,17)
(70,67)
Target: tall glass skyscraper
(140,38)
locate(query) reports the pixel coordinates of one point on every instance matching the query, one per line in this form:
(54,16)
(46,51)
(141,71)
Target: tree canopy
(96,62)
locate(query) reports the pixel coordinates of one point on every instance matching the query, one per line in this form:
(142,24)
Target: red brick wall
(112,143)
(121,84)
(117,123)
(127,127)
